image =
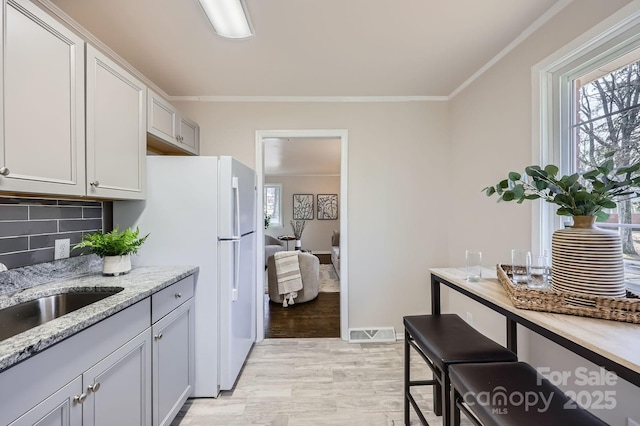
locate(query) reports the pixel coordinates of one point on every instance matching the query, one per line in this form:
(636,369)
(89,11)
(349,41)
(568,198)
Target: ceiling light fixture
(228,17)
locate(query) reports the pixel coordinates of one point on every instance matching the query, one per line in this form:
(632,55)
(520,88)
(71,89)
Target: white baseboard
(320,252)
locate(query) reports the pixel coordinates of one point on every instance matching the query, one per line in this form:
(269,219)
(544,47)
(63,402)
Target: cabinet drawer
(171,297)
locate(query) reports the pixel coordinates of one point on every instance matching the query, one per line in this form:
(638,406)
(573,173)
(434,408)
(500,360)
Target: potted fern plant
(115,247)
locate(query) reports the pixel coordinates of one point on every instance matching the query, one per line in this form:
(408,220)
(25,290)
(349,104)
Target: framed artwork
(302,206)
(327,206)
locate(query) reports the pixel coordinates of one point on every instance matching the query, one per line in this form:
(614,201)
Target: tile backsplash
(30,226)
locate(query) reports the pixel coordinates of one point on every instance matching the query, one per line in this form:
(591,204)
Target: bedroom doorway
(308,167)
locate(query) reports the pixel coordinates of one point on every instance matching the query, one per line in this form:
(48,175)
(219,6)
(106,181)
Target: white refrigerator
(202,211)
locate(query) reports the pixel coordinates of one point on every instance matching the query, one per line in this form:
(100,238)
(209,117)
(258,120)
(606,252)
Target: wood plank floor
(316,382)
(317,318)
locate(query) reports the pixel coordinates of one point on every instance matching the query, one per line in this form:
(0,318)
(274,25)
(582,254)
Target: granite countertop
(138,284)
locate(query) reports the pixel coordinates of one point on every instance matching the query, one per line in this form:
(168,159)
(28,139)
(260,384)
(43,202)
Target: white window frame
(552,92)
(278,207)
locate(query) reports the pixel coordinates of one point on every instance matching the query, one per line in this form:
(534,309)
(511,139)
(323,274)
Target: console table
(613,345)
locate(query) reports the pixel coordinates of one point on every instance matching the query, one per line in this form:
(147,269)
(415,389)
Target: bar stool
(513,394)
(443,340)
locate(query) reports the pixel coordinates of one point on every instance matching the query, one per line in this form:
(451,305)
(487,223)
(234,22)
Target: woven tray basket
(626,309)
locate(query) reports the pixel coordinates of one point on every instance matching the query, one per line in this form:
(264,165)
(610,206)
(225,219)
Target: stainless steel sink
(24,316)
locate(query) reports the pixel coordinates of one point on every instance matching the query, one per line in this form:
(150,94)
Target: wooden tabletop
(614,340)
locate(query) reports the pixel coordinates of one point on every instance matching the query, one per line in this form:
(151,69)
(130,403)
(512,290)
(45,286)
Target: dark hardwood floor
(325,259)
(317,318)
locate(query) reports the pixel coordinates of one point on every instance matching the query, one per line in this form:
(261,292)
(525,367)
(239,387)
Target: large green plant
(579,194)
(114,243)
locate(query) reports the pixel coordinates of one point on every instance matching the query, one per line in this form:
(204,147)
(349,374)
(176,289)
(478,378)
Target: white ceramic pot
(587,259)
(298,244)
(116,265)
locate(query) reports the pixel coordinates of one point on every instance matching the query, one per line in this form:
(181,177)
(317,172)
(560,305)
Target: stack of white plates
(588,262)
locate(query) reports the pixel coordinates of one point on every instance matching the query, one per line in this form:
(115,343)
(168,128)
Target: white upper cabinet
(161,118)
(189,135)
(75,122)
(165,124)
(116,130)
(42,142)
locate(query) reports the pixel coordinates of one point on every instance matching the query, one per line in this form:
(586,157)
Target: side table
(286,238)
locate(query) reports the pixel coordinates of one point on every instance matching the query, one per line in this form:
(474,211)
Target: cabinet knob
(80,398)
(95,183)
(178,295)
(94,387)
(4,171)
(158,336)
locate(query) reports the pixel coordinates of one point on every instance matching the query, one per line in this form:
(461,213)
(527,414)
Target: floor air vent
(372,335)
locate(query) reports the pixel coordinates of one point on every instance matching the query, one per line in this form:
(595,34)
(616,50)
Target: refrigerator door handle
(236,264)
(236,196)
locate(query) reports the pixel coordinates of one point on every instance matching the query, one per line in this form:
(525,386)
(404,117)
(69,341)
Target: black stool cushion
(515,379)
(447,339)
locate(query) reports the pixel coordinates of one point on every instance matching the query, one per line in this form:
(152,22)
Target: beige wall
(317,233)
(397,160)
(490,136)
(415,174)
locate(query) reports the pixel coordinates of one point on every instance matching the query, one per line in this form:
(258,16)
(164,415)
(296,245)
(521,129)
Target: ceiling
(310,48)
(301,157)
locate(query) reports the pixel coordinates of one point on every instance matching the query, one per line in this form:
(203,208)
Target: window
(273,204)
(606,117)
(593,107)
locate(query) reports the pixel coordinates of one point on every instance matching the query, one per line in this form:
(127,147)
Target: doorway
(298,138)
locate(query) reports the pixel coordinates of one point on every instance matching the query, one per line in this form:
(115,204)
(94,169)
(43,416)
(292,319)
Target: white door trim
(344,240)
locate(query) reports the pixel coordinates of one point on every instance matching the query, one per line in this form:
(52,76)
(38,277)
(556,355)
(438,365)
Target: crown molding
(286,175)
(59,14)
(299,99)
(536,25)
(67,20)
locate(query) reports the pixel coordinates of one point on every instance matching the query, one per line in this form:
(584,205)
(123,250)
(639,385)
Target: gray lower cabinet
(173,363)
(60,409)
(135,368)
(115,391)
(118,388)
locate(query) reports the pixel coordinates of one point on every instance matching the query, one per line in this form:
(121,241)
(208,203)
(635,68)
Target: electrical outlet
(469,318)
(631,422)
(62,249)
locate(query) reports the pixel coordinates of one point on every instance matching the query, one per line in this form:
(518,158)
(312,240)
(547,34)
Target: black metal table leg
(407,377)
(512,335)
(435,296)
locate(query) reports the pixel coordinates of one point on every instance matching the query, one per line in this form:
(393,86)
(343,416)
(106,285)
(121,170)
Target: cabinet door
(118,387)
(63,408)
(161,118)
(42,145)
(173,363)
(189,133)
(116,130)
